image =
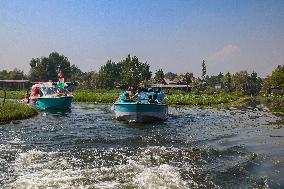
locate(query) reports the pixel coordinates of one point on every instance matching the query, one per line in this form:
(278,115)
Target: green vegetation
(15,74)
(13,94)
(275,105)
(96,96)
(200,100)
(10,111)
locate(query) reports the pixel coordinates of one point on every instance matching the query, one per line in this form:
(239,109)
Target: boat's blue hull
(54,103)
(135,112)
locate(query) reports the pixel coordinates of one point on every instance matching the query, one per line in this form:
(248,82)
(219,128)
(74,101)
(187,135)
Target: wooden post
(4,96)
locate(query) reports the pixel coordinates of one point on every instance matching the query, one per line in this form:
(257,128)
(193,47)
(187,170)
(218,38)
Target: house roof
(14,81)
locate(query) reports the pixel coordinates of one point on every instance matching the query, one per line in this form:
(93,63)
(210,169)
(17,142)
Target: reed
(10,111)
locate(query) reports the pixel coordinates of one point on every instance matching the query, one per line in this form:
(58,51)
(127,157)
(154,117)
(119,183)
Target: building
(15,84)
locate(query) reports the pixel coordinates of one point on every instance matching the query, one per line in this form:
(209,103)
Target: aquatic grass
(96,96)
(104,96)
(190,99)
(10,111)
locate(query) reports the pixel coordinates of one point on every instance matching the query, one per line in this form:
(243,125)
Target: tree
(214,80)
(15,74)
(170,75)
(48,68)
(254,84)
(203,70)
(227,82)
(76,74)
(187,79)
(246,84)
(91,80)
(240,82)
(277,78)
(133,71)
(159,76)
(109,74)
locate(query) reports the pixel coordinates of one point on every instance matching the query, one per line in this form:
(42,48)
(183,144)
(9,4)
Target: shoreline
(274,103)
(14,111)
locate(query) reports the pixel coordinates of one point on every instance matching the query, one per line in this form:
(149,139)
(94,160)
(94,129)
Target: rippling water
(195,148)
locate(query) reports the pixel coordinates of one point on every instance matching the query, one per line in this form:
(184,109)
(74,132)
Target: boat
(50,95)
(146,106)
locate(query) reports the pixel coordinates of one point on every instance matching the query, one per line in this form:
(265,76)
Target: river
(195,148)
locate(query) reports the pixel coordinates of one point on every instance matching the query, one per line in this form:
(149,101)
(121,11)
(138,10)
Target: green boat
(49,96)
(147,107)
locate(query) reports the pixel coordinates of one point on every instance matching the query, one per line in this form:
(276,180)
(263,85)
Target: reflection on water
(195,148)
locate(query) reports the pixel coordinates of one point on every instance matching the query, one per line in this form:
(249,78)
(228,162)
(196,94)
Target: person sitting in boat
(160,95)
(131,92)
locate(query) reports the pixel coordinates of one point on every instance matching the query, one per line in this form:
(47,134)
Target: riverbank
(17,94)
(11,111)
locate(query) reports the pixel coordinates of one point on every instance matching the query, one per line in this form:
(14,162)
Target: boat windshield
(60,90)
(48,90)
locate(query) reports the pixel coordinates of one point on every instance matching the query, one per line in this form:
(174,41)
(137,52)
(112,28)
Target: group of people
(143,95)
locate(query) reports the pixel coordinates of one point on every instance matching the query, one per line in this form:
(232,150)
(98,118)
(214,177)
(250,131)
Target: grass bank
(10,111)
(17,94)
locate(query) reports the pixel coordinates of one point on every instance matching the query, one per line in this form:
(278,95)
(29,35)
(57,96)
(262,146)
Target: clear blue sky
(175,35)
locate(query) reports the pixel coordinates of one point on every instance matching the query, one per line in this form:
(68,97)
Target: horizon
(174,36)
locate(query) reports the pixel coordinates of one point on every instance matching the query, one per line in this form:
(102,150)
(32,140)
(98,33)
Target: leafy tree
(109,74)
(203,70)
(254,84)
(170,75)
(214,79)
(76,74)
(277,78)
(48,68)
(240,81)
(227,82)
(91,80)
(187,79)
(159,76)
(134,71)
(245,83)
(15,74)
(197,86)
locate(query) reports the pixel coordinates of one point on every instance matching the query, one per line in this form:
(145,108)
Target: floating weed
(200,100)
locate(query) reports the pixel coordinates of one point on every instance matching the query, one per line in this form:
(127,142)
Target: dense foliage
(13,94)
(48,68)
(132,72)
(128,72)
(15,74)
(275,81)
(199,100)
(96,96)
(159,76)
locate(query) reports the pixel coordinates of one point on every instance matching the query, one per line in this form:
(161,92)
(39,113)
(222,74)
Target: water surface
(195,148)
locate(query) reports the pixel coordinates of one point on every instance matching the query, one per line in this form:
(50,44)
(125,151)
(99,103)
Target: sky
(172,35)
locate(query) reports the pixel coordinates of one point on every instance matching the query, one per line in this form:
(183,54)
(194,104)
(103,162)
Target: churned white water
(195,148)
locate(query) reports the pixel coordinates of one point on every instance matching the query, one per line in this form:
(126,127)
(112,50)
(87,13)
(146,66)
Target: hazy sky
(175,35)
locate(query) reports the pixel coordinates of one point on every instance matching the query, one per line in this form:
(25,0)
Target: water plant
(200,100)
(96,96)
